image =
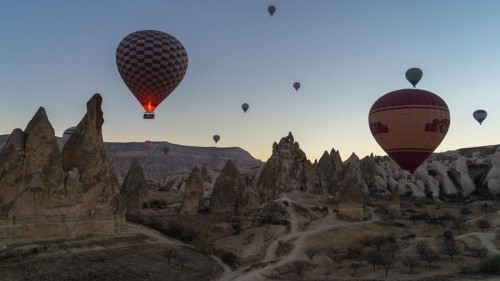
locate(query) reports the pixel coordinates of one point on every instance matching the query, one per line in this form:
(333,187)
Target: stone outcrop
(46,195)
(134,186)
(351,194)
(286,170)
(228,190)
(193,191)
(326,172)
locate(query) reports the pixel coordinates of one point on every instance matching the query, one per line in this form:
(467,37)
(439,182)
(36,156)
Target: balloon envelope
(413,75)
(67,133)
(271,10)
(296,86)
(152,64)
(216,138)
(165,150)
(480,115)
(245,107)
(148,144)
(409,124)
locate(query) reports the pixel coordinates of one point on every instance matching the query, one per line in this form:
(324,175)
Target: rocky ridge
(46,194)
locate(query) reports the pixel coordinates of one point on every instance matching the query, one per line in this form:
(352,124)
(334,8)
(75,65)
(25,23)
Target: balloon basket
(149,115)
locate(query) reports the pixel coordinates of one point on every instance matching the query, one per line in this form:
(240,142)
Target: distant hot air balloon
(409,124)
(271,9)
(166,150)
(413,75)
(296,86)
(152,64)
(245,107)
(67,133)
(480,115)
(216,138)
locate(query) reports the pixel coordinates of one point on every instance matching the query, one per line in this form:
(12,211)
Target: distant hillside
(180,158)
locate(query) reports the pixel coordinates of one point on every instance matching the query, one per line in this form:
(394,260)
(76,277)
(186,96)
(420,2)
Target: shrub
(465,211)
(490,265)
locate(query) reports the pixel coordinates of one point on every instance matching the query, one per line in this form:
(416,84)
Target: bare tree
(450,248)
(170,254)
(478,251)
(430,256)
(448,235)
(182,260)
(422,247)
(299,266)
(373,257)
(336,256)
(354,267)
(354,253)
(387,258)
(483,224)
(459,225)
(410,261)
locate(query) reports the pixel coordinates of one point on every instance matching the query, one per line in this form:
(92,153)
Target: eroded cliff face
(45,194)
(286,170)
(134,187)
(228,190)
(193,191)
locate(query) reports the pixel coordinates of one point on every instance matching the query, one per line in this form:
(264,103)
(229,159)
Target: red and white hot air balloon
(409,124)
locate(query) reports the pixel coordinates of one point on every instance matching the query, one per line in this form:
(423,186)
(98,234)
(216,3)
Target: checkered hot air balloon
(409,124)
(152,64)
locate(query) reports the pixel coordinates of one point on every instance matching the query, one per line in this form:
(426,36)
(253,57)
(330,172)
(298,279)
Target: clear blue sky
(346,54)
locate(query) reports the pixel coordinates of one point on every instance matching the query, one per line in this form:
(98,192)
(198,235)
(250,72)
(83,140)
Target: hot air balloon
(216,138)
(166,150)
(67,133)
(245,107)
(296,86)
(480,115)
(413,75)
(409,124)
(271,9)
(152,64)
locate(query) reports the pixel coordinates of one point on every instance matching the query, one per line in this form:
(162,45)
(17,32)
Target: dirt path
(486,239)
(271,261)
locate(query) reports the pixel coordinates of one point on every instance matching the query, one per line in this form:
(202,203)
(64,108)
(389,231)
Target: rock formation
(351,194)
(228,190)
(286,170)
(193,192)
(134,186)
(46,195)
(326,173)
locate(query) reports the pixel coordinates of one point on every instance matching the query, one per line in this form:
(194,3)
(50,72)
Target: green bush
(490,265)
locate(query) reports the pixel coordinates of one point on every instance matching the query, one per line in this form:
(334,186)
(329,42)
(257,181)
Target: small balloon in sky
(296,86)
(152,64)
(413,75)
(409,124)
(271,10)
(216,138)
(166,150)
(245,107)
(480,115)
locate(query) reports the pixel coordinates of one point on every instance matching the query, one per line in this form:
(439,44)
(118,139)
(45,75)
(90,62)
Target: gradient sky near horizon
(346,54)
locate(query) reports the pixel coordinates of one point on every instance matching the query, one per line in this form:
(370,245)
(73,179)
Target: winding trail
(486,239)
(271,261)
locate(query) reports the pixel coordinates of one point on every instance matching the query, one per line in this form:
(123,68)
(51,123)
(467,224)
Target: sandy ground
(311,232)
(135,253)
